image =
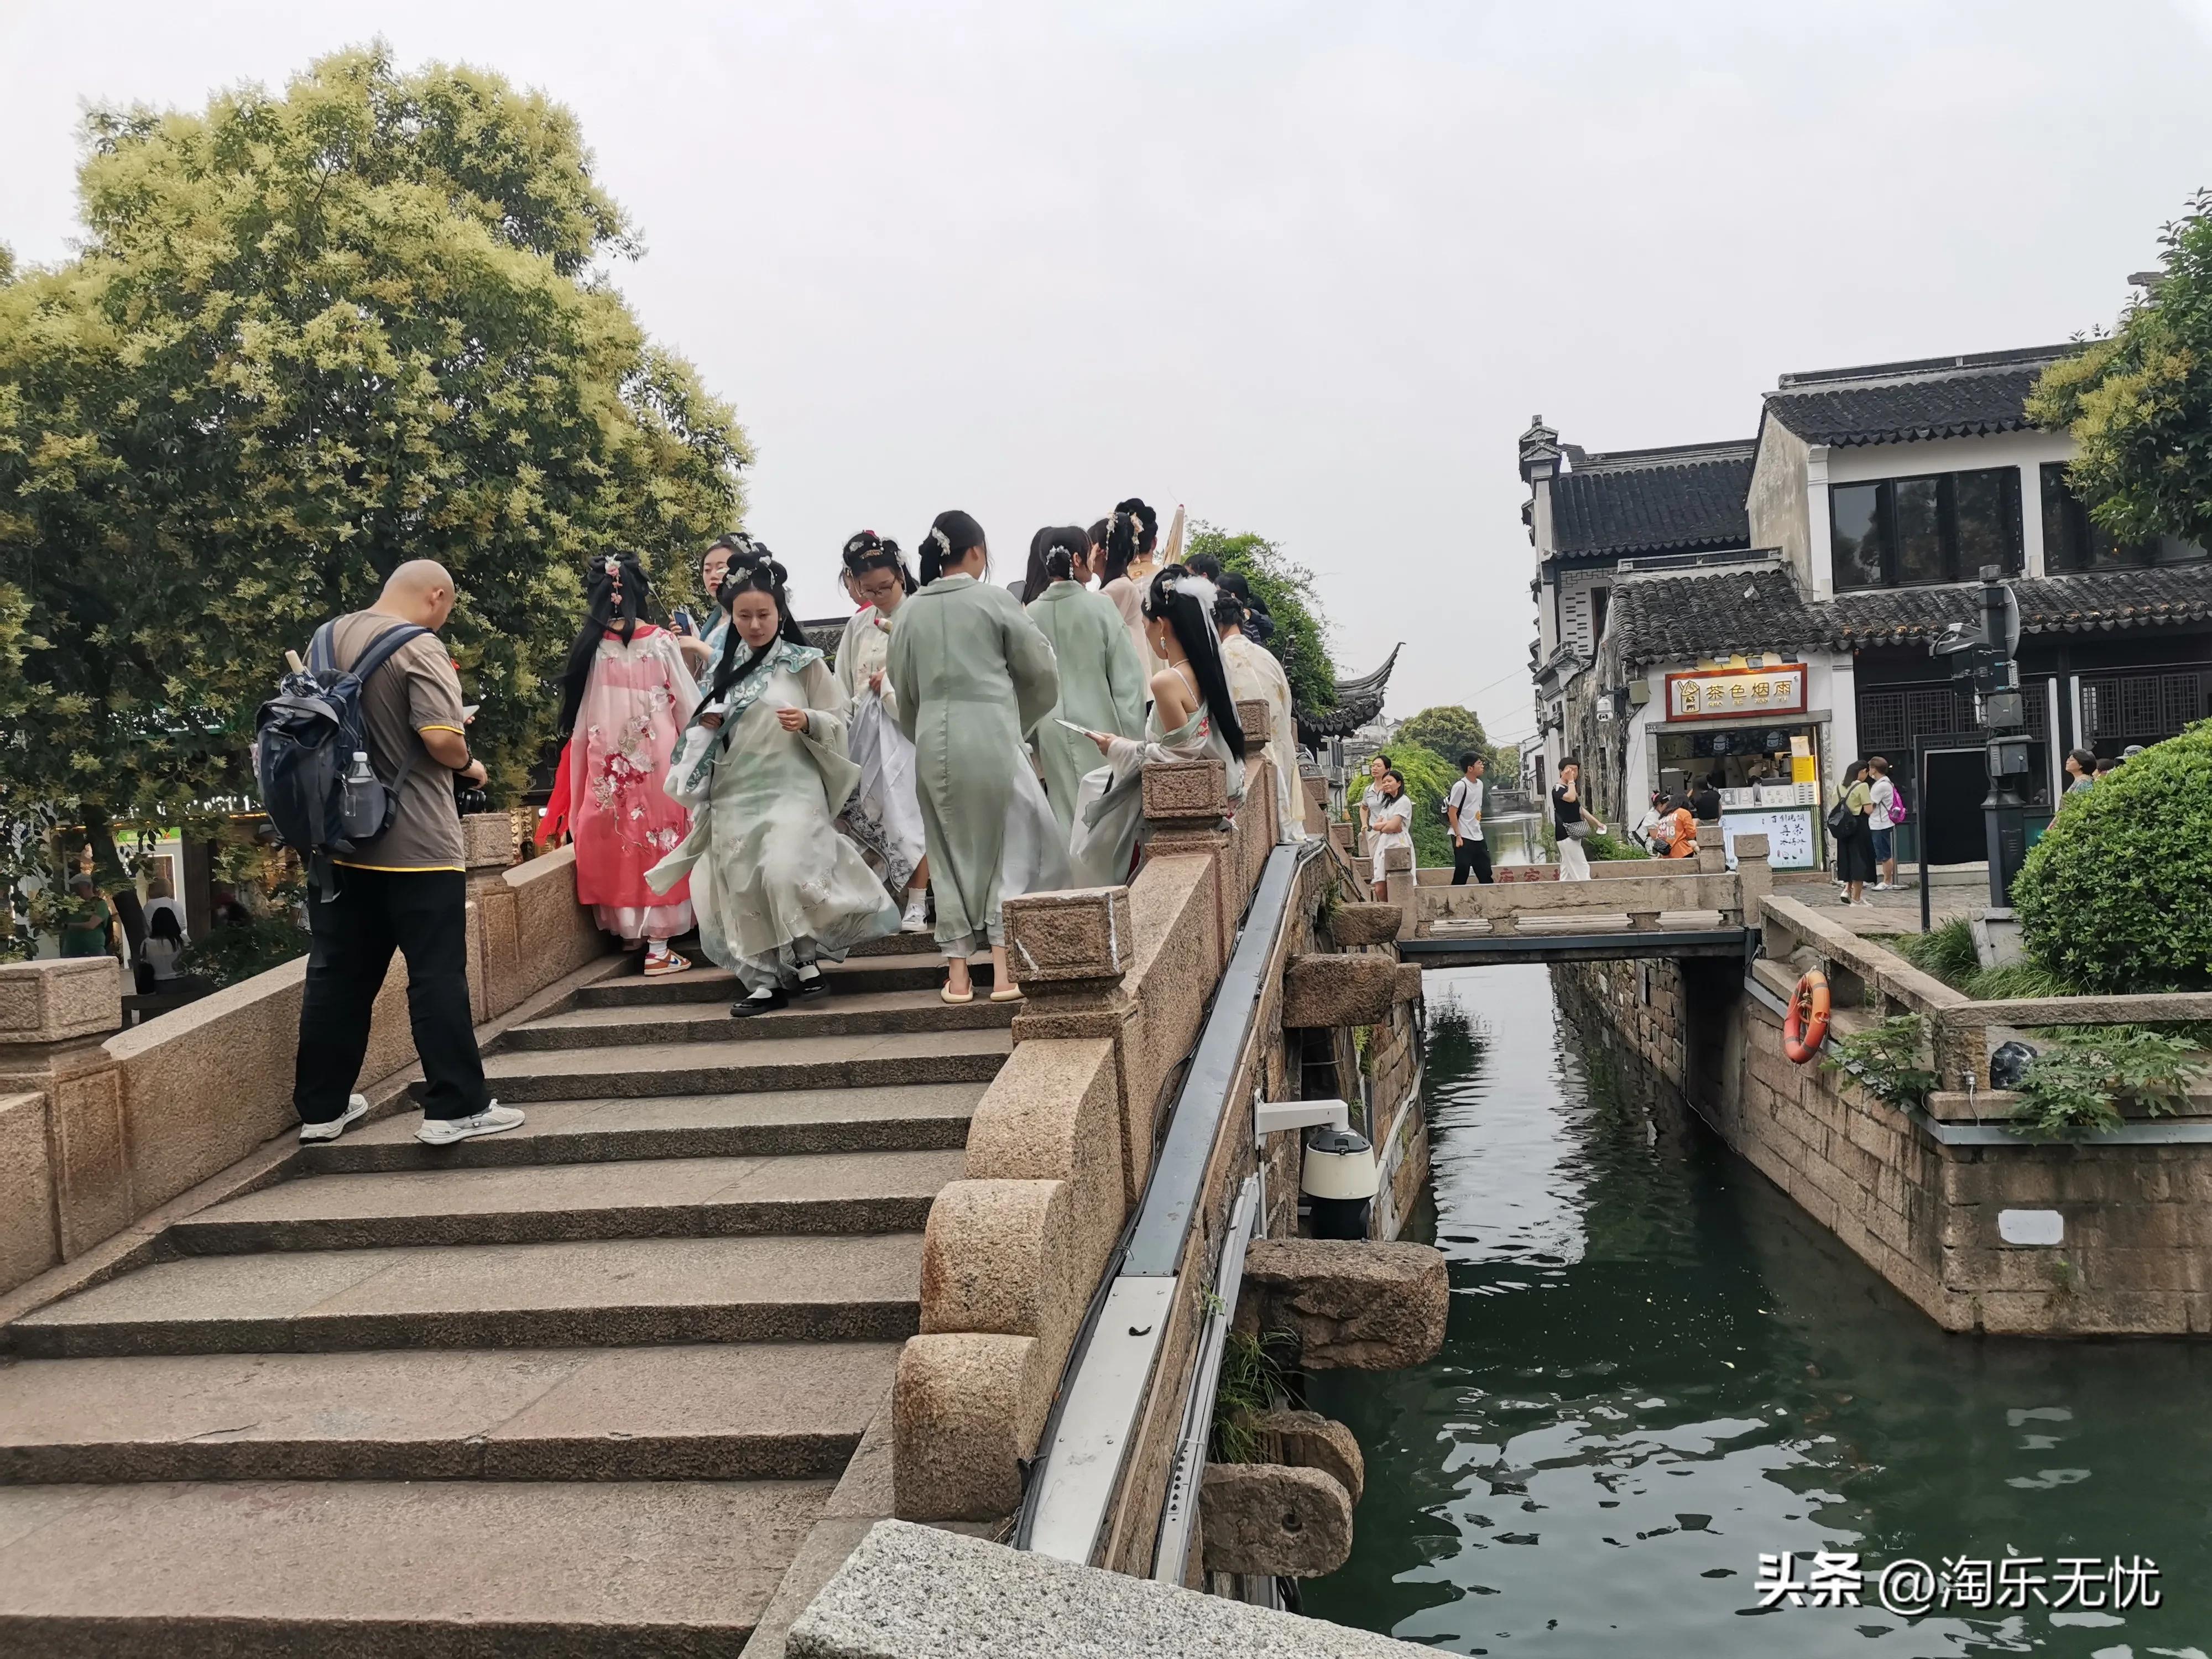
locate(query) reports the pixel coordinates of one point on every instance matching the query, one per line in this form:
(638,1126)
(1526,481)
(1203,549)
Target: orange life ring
(1805,1027)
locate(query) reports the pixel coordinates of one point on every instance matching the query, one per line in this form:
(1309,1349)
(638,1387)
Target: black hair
(1258,620)
(2084,758)
(1394,772)
(950,534)
(752,570)
(1570,760)
(1052,553)
(162,924)
(1130,534)
(1227,612)
(1179,598)
(1099,533)
(1468,759)
(865,550)
(615,595)
(1205,565)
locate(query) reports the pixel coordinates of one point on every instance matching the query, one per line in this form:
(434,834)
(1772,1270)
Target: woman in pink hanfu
(626,698)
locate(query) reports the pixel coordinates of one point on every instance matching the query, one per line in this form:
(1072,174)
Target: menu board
(1790,844)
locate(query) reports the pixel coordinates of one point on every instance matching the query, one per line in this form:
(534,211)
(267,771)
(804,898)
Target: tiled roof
(1653,500)
(1720,613)
(2048,605)
(1712,614)
(1358,702)
(1897,403)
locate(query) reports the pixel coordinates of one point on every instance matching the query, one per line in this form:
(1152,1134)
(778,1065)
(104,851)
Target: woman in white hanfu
(626,696)
(885,815)
(763,768)
(1254,676)
(1193,718)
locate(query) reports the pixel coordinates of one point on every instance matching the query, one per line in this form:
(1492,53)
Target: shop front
(1750,731)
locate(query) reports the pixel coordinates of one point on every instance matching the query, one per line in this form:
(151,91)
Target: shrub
(2114,897)
(1887,1059)
(1946,952)
(239,950)
(1613,846)
(2081,1075)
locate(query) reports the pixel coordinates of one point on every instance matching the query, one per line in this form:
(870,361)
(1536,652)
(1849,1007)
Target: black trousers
(1471,856)
(424,914)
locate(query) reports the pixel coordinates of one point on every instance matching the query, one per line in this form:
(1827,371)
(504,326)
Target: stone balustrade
(100,1127)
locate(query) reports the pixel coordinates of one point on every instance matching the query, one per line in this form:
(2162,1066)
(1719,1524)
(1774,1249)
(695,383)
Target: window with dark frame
(1913,532)
(2073,542)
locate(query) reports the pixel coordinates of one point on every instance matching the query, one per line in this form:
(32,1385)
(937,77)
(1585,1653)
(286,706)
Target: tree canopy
(2139,401)
(310,336)
(1300,642)
(1448,731)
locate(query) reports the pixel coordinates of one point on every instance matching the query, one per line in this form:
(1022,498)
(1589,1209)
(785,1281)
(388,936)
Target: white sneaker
(446,1131)
(1881,887)
(356,1108)
(916,919)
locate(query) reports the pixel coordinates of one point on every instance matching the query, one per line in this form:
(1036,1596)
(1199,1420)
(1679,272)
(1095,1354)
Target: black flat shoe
(815,986)
(746,1007)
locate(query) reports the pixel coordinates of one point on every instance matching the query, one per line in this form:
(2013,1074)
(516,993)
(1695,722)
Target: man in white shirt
(1463,810)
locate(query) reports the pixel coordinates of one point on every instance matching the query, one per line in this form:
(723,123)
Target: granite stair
(584,1388)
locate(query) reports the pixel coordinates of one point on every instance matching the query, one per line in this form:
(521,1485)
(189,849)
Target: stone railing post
(1712,851)
(54,1018)
(1754,876)
(1259,814)
(488,848)
(1185,803)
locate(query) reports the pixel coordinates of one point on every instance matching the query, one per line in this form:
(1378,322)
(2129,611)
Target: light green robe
(973,677)
(1102,687)
(774,885)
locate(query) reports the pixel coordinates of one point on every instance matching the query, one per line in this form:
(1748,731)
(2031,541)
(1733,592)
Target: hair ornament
(937,535)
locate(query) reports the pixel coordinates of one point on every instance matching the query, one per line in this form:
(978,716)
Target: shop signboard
(1714,694)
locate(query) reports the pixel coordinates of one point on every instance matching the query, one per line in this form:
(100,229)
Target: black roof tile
(1897,403)
(1722,613)
(1653,500)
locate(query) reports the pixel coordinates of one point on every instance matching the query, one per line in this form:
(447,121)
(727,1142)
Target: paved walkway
(1896,912)
(585,1387)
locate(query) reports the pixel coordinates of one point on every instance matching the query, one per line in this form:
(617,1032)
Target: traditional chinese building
(1760,612)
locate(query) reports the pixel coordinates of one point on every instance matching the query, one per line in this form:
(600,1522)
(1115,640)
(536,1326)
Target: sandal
(956,998)
(1007,994)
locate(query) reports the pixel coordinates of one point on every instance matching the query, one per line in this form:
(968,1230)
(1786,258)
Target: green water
(1658,1368)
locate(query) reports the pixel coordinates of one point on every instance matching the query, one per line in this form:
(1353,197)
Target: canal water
(1657,1368)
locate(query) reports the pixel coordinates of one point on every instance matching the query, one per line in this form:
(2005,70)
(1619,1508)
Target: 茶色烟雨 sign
(1708,694)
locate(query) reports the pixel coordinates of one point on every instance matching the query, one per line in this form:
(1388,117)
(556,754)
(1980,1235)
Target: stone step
(487,1570)
(721,1411)
(604,1293)
(658,1198)
(920,1117)
(706,983)
(872,1013)
(896,944)
(735,1066)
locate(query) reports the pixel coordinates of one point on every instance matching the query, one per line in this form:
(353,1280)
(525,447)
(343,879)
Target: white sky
(1309,268)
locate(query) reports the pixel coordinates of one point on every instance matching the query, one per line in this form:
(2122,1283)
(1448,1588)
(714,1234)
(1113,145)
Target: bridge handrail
(1070,1493)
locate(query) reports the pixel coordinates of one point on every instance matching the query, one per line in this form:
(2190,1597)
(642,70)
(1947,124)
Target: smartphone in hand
(681,622)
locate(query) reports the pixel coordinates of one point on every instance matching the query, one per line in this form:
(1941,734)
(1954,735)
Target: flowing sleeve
(1125,675)
(681,686)
(825,708)
(900,678)
(1029,660)
(556,821)
(848,681)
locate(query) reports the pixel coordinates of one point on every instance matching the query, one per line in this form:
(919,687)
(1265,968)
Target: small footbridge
(1628,909)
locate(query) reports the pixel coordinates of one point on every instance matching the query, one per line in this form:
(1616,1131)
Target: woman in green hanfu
(1193,718)
(972,679)
(763,767)
(1101,683)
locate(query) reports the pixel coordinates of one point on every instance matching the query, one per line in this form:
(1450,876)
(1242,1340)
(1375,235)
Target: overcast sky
(1307,267)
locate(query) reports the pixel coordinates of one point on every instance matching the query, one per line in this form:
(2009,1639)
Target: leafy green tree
(1300,642)
(310,336)
(1448,731)
(2139,401)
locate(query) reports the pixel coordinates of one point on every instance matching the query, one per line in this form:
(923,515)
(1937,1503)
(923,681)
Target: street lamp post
(1985,663)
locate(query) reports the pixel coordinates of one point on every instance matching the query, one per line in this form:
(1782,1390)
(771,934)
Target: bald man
(405,890)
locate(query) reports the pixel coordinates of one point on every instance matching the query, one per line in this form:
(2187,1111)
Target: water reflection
(1657,1367)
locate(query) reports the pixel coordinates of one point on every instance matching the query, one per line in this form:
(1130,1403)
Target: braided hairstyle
(753,569)
(615,595)
(1186,603)
(951,533)
(865,550)
(1131,534)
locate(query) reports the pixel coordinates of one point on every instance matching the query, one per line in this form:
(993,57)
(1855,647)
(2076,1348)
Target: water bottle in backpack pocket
(310,752)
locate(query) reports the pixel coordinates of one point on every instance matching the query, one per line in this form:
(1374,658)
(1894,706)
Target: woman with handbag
(1847,823)
(1573,824)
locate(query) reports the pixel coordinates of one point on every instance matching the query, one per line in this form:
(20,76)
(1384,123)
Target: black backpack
(305,739)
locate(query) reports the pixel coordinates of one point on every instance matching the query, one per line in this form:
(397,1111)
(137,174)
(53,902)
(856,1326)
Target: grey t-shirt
(415,690)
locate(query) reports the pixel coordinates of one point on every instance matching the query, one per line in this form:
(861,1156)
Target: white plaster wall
(1774,502)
